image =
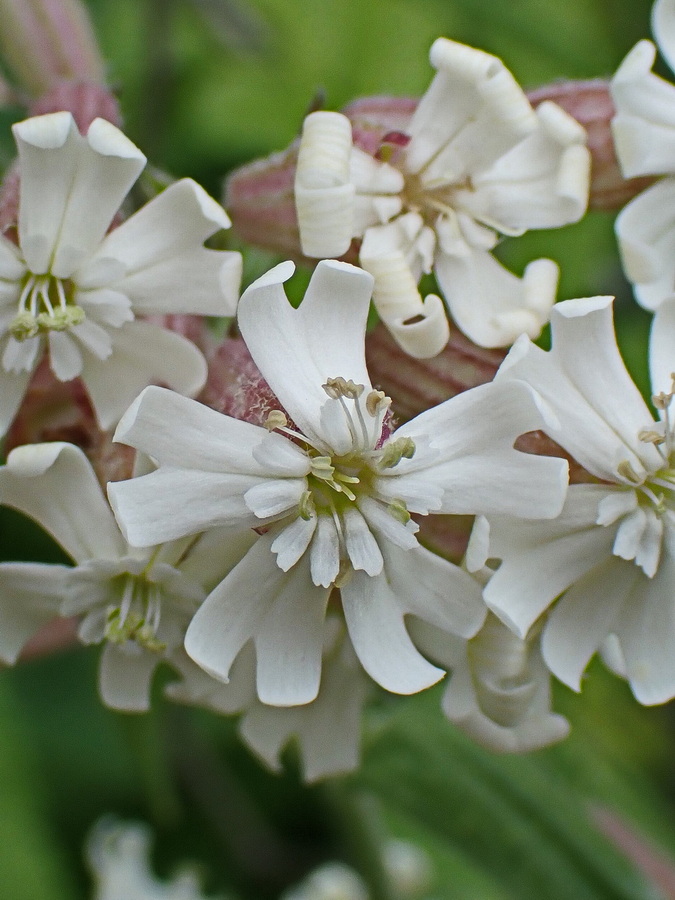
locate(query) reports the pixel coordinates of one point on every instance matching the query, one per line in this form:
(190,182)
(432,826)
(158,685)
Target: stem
(357,823)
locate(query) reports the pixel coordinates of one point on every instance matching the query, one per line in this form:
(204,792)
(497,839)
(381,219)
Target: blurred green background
(207,85)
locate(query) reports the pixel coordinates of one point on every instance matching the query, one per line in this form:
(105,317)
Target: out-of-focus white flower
(327,730)
(332,881)
(499,692)
(611,552)
(335,489)
(72,291)
(119,858)
(139,603)
(644,136)
(475,162)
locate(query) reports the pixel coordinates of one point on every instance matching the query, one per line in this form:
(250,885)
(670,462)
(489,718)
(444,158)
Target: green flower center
(46,304)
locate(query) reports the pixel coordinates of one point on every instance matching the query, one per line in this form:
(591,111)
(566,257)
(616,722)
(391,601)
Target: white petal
(275,496)
(584,617)
(644,125)
(362,548)
(473,111)
(106,167)
(647,635)
(205,439)
(124,678)
(94,338)
(21,356)
(661,343)
(31,595)
(381,520)
(663,26)
(292,541)
(324,554)
(174,223)
(13,387)
(142,354)
(65,359)
(289,642)
(490,304)
(324,195)
(543,182)
(377,631)
(55,485)
(475,464)
(106,306)
(645,229)
(49,150)
(172,503)
(297,350)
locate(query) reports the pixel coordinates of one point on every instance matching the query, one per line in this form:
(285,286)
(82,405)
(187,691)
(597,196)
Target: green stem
(357,822)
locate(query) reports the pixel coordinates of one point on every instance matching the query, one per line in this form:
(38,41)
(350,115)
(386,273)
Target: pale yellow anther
(322,467)
(395,451)
(626,471)
(650,436)
(399,511)
(276,419)
(24,326)
(344,574)
(306,508)
(340,387)
(377,402)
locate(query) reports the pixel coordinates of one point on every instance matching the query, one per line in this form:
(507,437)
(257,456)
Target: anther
(395,451)
(340,387)
(626,471)
(306,507)
(377,402)
(276,419)
(399,511)
(650,436)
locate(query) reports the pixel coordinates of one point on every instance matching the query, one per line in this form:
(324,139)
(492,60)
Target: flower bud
(591,105)
(47,41)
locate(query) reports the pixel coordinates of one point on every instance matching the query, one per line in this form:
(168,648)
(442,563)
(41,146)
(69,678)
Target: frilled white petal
(644,125)
(599,410)
(472,113)
(93,337)
(274,496)
(374,616)
(646,633)
(381,520)
(55,485)
(645,229)
(328,730)
(209,559)
(362,548)
(125,676)
(163,234)
(258,601)
(584,616)
(663,26)
(22,356)
(59,226)
(105,306)
(206,440)
(297,350)
(661,343)
(324,194)
(542,182)
(491,305)
(378,186)
(172,503)
(472,459)
(542,559)
(142,353)
(31,595)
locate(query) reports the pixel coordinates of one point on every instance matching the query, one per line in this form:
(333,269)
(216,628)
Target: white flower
(327,730)
(139,603)
(479,163)
(335,488)
(499,692)
(119,856)
(72,291)
(611,553)
(644,136)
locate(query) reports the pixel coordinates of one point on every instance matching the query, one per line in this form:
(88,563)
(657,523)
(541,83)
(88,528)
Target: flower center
(431,200)
(336,481)
(46,304)
(137,617)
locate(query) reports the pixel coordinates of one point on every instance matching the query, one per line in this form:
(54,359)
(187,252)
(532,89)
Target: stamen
(399,511)
(306,507)
(377,402)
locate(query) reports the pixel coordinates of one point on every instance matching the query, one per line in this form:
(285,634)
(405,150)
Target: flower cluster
(269,542)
